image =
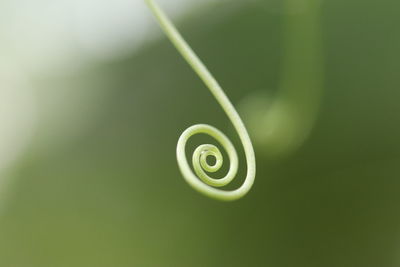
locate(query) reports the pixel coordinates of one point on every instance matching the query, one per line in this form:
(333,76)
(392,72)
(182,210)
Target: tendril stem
(202,182)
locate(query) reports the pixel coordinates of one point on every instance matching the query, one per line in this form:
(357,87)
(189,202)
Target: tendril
(280,125)
(199,179)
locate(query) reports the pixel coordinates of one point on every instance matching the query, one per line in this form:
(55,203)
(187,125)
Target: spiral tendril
(199,179)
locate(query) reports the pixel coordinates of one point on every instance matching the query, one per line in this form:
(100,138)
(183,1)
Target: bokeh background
(93,98)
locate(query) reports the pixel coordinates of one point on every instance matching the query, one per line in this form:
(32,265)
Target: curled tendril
(199,179)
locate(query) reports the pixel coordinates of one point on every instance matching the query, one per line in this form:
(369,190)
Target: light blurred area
(93,99)
(47,34)
(17,117)
(44,41)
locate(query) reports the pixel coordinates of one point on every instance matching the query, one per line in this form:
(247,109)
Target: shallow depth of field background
(93,99)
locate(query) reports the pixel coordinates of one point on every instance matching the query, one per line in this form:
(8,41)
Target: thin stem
(201,70)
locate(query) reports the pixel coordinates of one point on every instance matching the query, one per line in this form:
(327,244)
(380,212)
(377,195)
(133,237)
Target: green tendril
(279,125)
(199,179)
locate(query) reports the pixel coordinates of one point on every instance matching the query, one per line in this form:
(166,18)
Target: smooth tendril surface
(199,179)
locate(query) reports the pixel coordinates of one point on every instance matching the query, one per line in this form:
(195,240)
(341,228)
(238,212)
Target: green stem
(281,125)
(207,187)
(302,73)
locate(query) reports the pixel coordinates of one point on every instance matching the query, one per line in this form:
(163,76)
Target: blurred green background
(97,183)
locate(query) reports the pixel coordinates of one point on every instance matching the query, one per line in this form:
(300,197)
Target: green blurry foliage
(113,195)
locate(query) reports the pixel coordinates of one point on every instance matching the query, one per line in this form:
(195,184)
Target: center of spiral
(208,157)
(201,166)
(211,160)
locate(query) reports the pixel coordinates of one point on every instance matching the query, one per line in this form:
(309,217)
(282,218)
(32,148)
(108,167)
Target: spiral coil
(199,179)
